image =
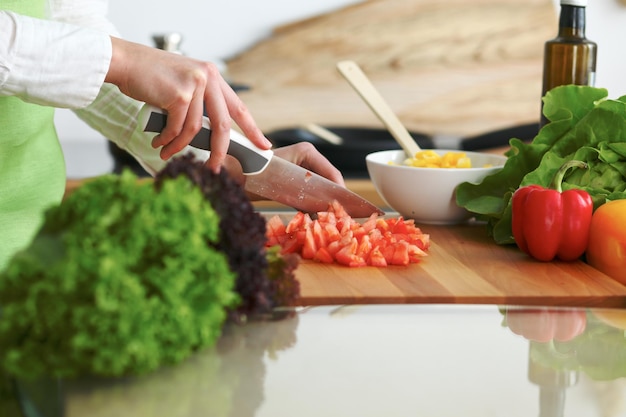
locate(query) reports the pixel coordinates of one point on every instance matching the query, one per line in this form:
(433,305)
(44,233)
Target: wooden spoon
(323,133)
(359,81)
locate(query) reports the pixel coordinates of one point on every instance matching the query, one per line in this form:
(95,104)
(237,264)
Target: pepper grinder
(168,41)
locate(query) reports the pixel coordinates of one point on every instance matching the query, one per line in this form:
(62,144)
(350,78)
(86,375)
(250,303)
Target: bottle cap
(579,3)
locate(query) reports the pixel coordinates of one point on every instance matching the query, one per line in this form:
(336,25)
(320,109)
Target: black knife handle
(252,159)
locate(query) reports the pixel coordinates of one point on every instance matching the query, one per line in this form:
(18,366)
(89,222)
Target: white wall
(213,29)
(216,30)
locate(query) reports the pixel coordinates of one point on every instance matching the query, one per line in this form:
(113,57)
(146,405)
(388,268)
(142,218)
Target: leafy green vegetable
(284,287)
(121,279)
(265,279)
(585,125)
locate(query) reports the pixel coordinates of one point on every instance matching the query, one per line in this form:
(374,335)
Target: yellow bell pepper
(606,248)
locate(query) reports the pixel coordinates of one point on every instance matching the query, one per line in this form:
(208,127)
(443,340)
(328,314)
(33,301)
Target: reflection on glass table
(377,360)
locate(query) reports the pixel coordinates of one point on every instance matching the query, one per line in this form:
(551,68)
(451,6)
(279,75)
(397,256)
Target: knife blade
(270,176)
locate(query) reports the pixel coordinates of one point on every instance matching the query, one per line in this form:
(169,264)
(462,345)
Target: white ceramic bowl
(427,195)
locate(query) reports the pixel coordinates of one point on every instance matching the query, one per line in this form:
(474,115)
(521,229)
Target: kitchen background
(221,31)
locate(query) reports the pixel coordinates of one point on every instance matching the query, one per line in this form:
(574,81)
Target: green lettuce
(121,279)
(585,125)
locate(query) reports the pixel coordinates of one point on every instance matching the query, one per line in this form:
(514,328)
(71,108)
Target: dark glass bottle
(570,58)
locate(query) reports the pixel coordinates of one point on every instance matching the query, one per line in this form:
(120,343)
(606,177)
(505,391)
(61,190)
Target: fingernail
(164,154)
(155,142)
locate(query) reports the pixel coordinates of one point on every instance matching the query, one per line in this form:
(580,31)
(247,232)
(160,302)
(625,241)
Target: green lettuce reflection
(224,381)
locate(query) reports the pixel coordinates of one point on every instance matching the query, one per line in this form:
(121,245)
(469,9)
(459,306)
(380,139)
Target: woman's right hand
(183,87)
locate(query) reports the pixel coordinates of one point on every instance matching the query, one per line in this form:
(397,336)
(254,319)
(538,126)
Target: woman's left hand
(303,154)
(307,156)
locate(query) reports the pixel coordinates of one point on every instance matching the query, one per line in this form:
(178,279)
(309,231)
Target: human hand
(301,153)
(183,87)
(307,156)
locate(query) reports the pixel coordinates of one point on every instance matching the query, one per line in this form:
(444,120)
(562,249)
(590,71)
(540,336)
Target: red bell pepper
(549,223)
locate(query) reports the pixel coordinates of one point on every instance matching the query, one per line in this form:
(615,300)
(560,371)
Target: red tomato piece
(319,234)
(376,257)
(333,247)
(398,253)
(365,247)
(347,255)
(295,223)
(327,217)
(309,247)
(323,255)
(331,232)
(291,245)
(338,209)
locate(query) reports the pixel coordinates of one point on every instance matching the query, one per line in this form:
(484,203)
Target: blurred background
(447,67)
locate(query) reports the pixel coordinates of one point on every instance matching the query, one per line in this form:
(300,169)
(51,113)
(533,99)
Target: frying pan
(496,138)
(349,157)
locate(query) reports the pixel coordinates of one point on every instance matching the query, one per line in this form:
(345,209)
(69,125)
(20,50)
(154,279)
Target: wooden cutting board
(453,67)
(464,266)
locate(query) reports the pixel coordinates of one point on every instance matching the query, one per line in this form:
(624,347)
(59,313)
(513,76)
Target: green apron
(32,168)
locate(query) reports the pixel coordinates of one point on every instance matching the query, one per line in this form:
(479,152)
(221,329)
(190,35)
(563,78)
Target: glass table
(376,360)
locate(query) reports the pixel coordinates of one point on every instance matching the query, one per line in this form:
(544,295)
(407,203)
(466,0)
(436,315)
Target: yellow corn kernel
(464,162)
(431,159)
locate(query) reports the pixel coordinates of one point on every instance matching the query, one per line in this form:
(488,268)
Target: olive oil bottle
(570,58)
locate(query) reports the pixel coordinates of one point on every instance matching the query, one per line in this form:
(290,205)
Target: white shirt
(62,62)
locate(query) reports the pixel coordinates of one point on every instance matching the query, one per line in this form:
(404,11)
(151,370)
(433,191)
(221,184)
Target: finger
(233,167)
(220,120)
(241,115)
(307,156)
(173,127)
(325,169)
(191,126)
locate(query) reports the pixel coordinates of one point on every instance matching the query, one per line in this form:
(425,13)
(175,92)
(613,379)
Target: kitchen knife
(270,176)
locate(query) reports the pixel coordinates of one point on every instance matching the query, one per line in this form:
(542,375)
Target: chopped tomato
(333,236)
(376,257)
(309,249)
(399,253)
(275,231)
(319,234)
(327,217)
(347,255)
(323,255)
(365,246)
(331,232)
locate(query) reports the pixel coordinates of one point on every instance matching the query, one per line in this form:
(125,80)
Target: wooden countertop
(464,266)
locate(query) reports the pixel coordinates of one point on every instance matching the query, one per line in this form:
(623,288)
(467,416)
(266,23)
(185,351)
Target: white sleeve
(51,63)
(114,115)
(63,63)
